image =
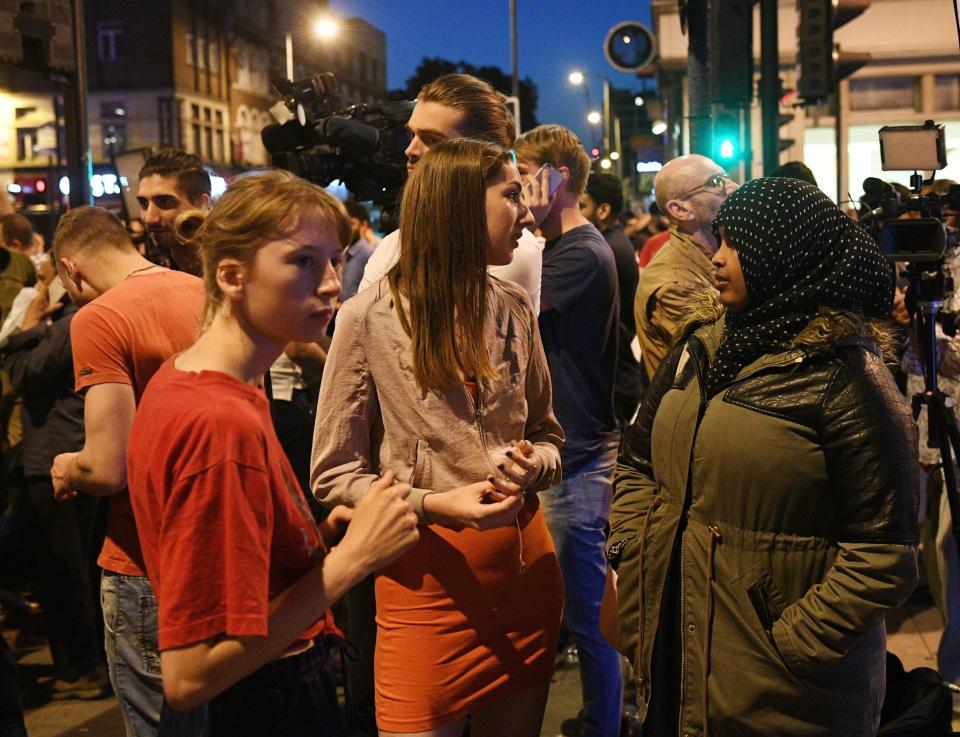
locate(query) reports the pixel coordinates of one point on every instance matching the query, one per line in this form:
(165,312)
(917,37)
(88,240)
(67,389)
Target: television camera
(361,145)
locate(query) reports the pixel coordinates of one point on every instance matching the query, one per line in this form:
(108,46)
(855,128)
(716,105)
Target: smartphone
(555,178)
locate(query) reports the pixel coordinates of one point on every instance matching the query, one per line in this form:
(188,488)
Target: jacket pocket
(767,601)
(420,475)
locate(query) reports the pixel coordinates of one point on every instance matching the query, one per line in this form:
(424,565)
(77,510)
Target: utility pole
(515,74)
(769,85)
(698,77)
(75,115)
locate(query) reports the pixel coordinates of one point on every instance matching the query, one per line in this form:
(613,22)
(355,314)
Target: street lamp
(577,78)
(659,127)
(325,28)
(593,117)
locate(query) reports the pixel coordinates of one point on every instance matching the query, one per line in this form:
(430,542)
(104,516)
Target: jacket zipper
(478,418)
(701,410)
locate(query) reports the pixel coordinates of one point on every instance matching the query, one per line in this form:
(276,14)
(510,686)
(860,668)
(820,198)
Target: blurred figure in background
(357,254)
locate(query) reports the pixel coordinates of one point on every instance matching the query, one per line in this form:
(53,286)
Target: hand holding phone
(539,191)
(554,176)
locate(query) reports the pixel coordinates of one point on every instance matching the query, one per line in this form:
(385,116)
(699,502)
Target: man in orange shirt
(134,315)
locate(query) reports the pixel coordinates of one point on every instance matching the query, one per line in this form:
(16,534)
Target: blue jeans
(130,639)
(577,511)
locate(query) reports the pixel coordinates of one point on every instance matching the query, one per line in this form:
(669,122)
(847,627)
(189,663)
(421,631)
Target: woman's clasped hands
(494,502)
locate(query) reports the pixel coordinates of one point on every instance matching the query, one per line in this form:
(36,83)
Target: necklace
(137,271)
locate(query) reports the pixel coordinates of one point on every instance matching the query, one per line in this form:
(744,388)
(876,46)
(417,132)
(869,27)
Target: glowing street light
(659,127)
(326,28)
(638,101)
(575,77)
(594,117)
(614,155)
(605,164)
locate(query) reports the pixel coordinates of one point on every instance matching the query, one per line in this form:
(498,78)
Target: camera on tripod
(910,227)
(361,145)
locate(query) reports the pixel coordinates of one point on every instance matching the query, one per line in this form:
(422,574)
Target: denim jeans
(130,639)
(577,511)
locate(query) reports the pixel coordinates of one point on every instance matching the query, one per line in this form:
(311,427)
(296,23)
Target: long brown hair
(443,261)
(256,209)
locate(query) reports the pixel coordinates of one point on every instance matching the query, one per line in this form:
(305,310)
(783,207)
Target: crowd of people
(522,420)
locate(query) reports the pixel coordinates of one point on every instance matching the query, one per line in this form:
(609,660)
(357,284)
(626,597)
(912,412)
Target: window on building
(213,53)
(202,53)
(885,93)
(220,154)
(197,140)
(113,109)
(22,112)
(946,92)
(110,40)
(26,143)
(115,137)
(243,70)
(189,50)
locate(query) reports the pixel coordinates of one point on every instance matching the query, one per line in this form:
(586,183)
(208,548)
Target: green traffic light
(727,149)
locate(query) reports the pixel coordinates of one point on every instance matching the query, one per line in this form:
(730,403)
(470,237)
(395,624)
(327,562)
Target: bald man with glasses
(689,191)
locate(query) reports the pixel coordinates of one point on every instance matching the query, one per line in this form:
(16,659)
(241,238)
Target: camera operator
(461,106)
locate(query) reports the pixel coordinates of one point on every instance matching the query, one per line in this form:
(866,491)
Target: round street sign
(630,46)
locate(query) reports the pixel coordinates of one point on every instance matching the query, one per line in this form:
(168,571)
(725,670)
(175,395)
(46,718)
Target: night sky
(554,37)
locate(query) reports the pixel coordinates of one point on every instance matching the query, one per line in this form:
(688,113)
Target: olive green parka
(783,507)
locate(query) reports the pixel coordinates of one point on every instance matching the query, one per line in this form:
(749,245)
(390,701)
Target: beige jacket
(678,270)
(373,417)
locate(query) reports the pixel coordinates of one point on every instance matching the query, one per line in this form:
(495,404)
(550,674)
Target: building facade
(913,75)
(193,74)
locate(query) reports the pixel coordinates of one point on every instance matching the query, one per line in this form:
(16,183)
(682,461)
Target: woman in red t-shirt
(242,575)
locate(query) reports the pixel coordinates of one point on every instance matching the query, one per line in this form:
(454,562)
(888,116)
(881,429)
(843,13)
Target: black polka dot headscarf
(798,253)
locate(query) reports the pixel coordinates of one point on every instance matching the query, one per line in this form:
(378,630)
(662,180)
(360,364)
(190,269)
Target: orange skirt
(461,623)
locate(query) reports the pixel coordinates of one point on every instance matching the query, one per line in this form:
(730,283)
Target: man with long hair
(461,106)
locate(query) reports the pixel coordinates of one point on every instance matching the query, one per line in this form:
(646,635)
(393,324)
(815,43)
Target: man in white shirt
(461,106)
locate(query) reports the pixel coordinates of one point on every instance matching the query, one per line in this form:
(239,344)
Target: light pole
(325,28)
(577,78)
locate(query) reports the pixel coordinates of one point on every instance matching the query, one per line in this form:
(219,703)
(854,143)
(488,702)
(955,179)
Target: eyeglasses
(716,183)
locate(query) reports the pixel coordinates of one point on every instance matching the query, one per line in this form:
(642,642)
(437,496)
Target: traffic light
(820,63)
(785,117)
(727,147)
(731,52)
